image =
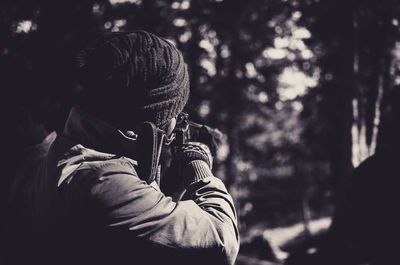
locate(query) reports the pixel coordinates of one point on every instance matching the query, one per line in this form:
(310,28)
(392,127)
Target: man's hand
(193,151)
(173,179)
(212,137)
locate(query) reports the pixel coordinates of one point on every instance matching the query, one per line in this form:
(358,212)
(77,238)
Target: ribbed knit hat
(132,77)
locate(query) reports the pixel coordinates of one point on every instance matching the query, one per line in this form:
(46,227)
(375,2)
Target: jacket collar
(94,133)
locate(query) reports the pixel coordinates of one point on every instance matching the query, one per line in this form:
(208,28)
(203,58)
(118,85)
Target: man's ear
(171,126)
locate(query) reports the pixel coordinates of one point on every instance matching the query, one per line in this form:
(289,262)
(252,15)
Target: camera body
(188,131)
(181,132)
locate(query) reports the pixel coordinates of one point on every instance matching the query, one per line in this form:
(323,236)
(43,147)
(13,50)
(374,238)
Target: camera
(188,131)
(185,131)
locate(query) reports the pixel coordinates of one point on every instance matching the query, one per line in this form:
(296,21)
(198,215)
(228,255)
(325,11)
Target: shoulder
(81,166)
(109,189)
(97,170)
(105,184)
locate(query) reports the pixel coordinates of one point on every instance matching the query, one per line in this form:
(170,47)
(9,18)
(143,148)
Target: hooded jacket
(98,211)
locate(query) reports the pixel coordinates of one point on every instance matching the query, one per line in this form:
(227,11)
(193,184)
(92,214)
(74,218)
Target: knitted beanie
(131,77)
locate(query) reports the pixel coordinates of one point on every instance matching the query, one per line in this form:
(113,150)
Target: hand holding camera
(189,141)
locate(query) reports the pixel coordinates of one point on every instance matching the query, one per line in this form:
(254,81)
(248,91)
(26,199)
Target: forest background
(300,88)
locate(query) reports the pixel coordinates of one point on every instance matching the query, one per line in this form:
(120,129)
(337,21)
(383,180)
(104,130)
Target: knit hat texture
(133,77)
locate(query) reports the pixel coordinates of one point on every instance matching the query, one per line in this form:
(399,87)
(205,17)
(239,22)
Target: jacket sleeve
(204,219)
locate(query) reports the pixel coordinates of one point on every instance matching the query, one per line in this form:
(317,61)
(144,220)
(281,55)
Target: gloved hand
(193,151)
(173,179)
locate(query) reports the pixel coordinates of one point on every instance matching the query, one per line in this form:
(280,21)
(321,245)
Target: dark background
(301,88)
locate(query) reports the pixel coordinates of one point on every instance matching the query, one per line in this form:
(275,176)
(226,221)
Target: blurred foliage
(283,79)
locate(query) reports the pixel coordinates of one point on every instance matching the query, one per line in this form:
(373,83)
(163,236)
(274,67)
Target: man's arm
(204,219)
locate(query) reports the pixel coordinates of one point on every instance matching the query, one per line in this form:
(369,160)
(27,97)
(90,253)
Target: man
(99,199)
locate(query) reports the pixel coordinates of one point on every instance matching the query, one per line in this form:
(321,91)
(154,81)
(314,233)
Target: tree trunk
(343,118)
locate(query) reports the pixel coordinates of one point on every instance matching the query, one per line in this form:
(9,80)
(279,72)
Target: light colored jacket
(100,211)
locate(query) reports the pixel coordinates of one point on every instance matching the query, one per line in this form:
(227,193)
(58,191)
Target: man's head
(131,77)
